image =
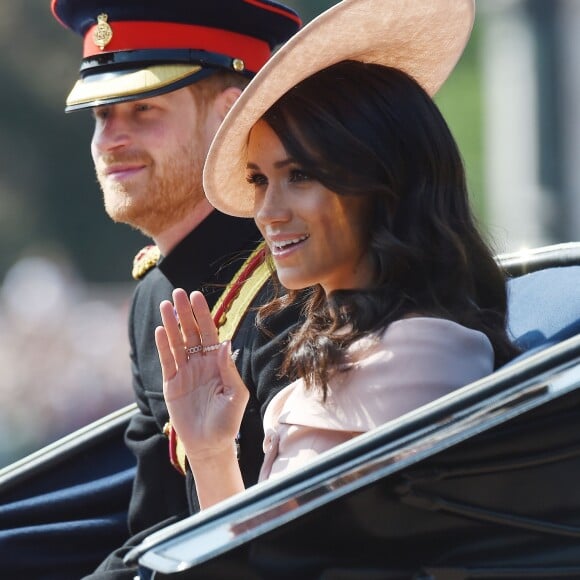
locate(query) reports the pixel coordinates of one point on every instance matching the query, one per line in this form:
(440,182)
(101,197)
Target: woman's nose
(272,206)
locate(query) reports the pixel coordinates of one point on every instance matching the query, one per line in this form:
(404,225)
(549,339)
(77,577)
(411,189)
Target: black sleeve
(159,491)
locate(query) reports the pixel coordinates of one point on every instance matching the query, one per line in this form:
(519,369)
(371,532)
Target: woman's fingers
(205,324)
(168,366)
(173,332)
(186,318)
(189,328)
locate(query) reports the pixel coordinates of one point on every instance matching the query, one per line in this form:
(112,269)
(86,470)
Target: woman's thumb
(228,370)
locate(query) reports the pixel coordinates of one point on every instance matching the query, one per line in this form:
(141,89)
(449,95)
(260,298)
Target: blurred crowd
(64,354)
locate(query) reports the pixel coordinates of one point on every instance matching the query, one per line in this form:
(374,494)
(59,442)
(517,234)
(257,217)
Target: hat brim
(127,85)
(424,39)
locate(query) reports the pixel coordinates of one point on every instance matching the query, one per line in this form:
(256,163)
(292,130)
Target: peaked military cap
(137,49)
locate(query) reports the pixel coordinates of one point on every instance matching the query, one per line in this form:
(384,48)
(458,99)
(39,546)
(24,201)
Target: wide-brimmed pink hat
(424,38)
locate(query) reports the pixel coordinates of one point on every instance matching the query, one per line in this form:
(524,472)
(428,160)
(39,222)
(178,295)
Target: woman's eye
(142,107)
(298,176)
(256,179)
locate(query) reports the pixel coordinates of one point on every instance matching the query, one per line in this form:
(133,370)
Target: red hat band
(104,37)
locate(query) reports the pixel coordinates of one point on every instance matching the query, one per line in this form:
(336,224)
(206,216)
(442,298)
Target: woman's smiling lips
(282,246)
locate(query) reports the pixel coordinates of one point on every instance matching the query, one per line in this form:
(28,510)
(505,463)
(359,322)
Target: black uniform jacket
(205,260)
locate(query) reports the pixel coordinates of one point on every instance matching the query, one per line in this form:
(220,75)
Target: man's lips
(124,170)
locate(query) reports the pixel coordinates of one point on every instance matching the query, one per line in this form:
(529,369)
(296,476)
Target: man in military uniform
(159,77)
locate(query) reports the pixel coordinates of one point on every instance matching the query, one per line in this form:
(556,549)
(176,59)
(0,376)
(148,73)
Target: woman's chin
(293,282)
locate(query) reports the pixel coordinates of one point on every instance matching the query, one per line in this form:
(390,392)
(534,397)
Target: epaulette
(145,259)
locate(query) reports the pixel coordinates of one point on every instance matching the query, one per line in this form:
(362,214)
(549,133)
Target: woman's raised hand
(203,390)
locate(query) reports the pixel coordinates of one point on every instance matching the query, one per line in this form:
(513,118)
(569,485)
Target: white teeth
(280,245)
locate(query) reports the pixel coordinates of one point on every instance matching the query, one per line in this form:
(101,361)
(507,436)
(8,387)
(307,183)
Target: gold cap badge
(103,32)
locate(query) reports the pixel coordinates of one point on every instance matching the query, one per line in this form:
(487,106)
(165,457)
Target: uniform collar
(204,254)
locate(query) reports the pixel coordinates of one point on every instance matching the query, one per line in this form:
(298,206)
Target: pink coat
(417,360)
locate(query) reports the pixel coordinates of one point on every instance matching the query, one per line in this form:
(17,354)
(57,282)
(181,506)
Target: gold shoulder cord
(227,313)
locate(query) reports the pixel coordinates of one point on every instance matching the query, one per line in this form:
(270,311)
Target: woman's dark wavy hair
(369,130)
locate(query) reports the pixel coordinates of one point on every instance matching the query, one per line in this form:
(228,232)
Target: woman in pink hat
(358,188)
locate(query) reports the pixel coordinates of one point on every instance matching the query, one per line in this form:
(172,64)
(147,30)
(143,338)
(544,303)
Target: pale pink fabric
(417,360)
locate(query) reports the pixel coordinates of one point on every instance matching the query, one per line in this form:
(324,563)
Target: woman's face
(315,235)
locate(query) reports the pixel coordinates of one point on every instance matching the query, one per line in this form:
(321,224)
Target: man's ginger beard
(174,188)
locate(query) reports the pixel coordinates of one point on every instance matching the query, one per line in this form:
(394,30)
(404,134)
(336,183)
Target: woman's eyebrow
(278,164)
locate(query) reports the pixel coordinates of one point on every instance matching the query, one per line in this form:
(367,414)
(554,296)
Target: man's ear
(225,101)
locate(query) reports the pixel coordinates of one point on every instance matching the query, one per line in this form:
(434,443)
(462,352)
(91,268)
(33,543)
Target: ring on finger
(210,347)
(194,349)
